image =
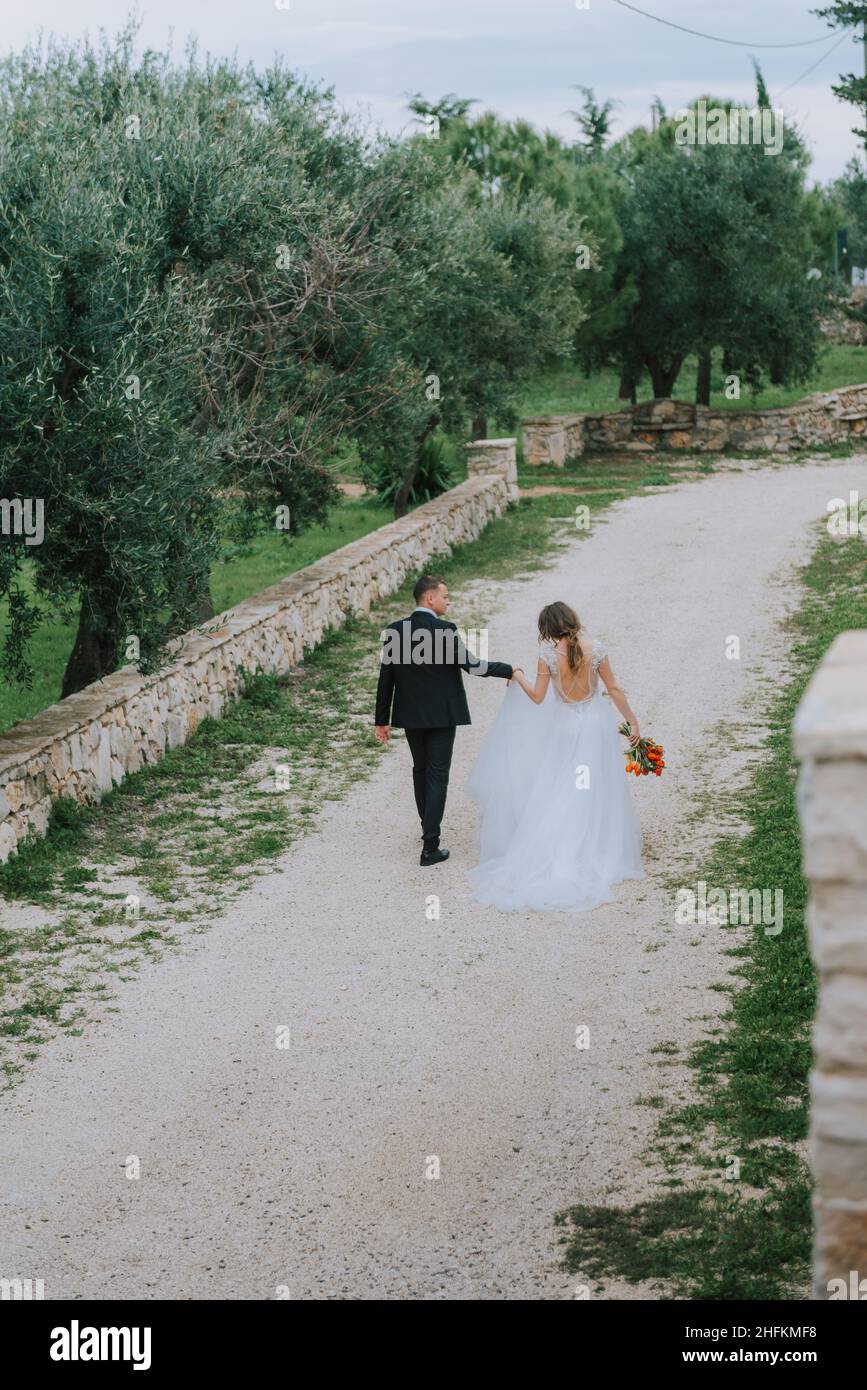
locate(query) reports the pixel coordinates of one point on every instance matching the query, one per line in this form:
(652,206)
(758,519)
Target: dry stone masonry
(89,742)
(831,417)
(831,741)
(489,456)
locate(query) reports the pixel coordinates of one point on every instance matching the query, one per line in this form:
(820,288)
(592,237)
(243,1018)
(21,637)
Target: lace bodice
(588,673)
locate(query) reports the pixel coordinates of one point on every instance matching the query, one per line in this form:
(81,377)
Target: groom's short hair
(424,584)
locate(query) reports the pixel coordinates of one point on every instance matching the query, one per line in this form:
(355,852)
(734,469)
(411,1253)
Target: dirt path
(304,1167)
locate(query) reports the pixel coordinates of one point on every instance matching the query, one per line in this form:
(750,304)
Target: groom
(420,672)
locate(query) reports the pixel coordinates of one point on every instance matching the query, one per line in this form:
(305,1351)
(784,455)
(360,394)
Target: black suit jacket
(427,693)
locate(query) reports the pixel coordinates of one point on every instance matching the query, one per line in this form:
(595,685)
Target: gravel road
(269,1171)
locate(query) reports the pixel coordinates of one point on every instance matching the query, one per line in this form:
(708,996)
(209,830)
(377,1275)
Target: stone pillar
(544,439)
(494,456)
(549,440)
(830,735)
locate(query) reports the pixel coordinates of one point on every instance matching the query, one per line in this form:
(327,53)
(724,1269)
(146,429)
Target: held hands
(516,671)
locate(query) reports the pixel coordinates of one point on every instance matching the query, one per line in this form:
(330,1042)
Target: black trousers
(431,763)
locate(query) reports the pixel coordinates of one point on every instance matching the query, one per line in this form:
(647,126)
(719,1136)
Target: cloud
(518,58)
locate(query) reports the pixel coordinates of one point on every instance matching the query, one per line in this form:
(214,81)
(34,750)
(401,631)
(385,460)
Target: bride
(556,823)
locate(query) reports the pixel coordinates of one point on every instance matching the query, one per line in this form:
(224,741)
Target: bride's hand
(516,671)
(635,737)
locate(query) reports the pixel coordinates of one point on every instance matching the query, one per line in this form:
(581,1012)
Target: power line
(812,67)
(697,33)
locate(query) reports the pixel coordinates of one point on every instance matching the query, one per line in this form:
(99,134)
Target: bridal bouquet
(645,757)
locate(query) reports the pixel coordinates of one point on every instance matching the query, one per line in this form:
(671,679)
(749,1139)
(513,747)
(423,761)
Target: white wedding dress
(556,828)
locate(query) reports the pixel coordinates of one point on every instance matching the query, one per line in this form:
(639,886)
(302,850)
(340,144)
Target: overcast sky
(518,57)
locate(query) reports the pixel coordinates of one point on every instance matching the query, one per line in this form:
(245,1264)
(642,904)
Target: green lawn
(239,573)
(568,390)
(271,558)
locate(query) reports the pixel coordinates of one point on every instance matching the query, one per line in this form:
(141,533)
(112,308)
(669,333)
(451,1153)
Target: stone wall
(831,417)
(487,456)
(840,326)
(549,440)
(831,741)
(89,742)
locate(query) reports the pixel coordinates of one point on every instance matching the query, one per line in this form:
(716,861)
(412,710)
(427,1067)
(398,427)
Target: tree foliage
(715,256)
(852,87)
(212,280)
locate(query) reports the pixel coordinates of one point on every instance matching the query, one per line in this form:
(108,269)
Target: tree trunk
(94,653)
(401,497)
(480,427)
(702,380)
(628,390)
(205,608)
(663,378)
(401,500)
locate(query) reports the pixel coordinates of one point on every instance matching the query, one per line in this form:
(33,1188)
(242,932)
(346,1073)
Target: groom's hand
(382,732)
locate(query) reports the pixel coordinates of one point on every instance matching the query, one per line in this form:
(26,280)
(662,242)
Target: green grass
(609,475)
(240,572)
(566,390)
(751,1238)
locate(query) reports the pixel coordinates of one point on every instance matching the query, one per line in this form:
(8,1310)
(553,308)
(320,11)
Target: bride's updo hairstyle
(558,621)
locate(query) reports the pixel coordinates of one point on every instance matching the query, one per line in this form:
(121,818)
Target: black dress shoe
(433,856)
